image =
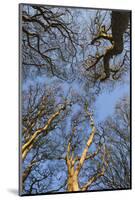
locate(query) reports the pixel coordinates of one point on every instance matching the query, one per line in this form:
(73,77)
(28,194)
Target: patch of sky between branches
(106,102)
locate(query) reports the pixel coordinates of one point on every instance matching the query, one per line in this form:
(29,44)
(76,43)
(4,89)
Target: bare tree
(41,114)
(75,163)
(117,131)
(69,151)
(105,31)
(48,39)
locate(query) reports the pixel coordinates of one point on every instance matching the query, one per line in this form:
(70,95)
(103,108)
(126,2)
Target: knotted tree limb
(119,24)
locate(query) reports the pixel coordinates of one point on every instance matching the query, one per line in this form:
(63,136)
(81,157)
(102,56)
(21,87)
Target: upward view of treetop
(75,106)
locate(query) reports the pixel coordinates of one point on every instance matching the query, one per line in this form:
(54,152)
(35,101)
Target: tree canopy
(71,59)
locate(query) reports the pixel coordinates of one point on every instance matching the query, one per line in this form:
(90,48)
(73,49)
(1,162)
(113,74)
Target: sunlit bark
(29,144)
(74,169)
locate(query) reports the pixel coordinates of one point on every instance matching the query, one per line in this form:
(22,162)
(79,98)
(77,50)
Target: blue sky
(105,103)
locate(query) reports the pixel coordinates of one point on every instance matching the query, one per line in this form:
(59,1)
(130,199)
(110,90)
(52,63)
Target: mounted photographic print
(75,99)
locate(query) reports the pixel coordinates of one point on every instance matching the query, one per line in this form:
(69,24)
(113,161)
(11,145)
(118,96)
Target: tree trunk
(72,182)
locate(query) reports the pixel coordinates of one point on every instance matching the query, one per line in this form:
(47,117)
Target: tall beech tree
(76,163)
(41,113)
